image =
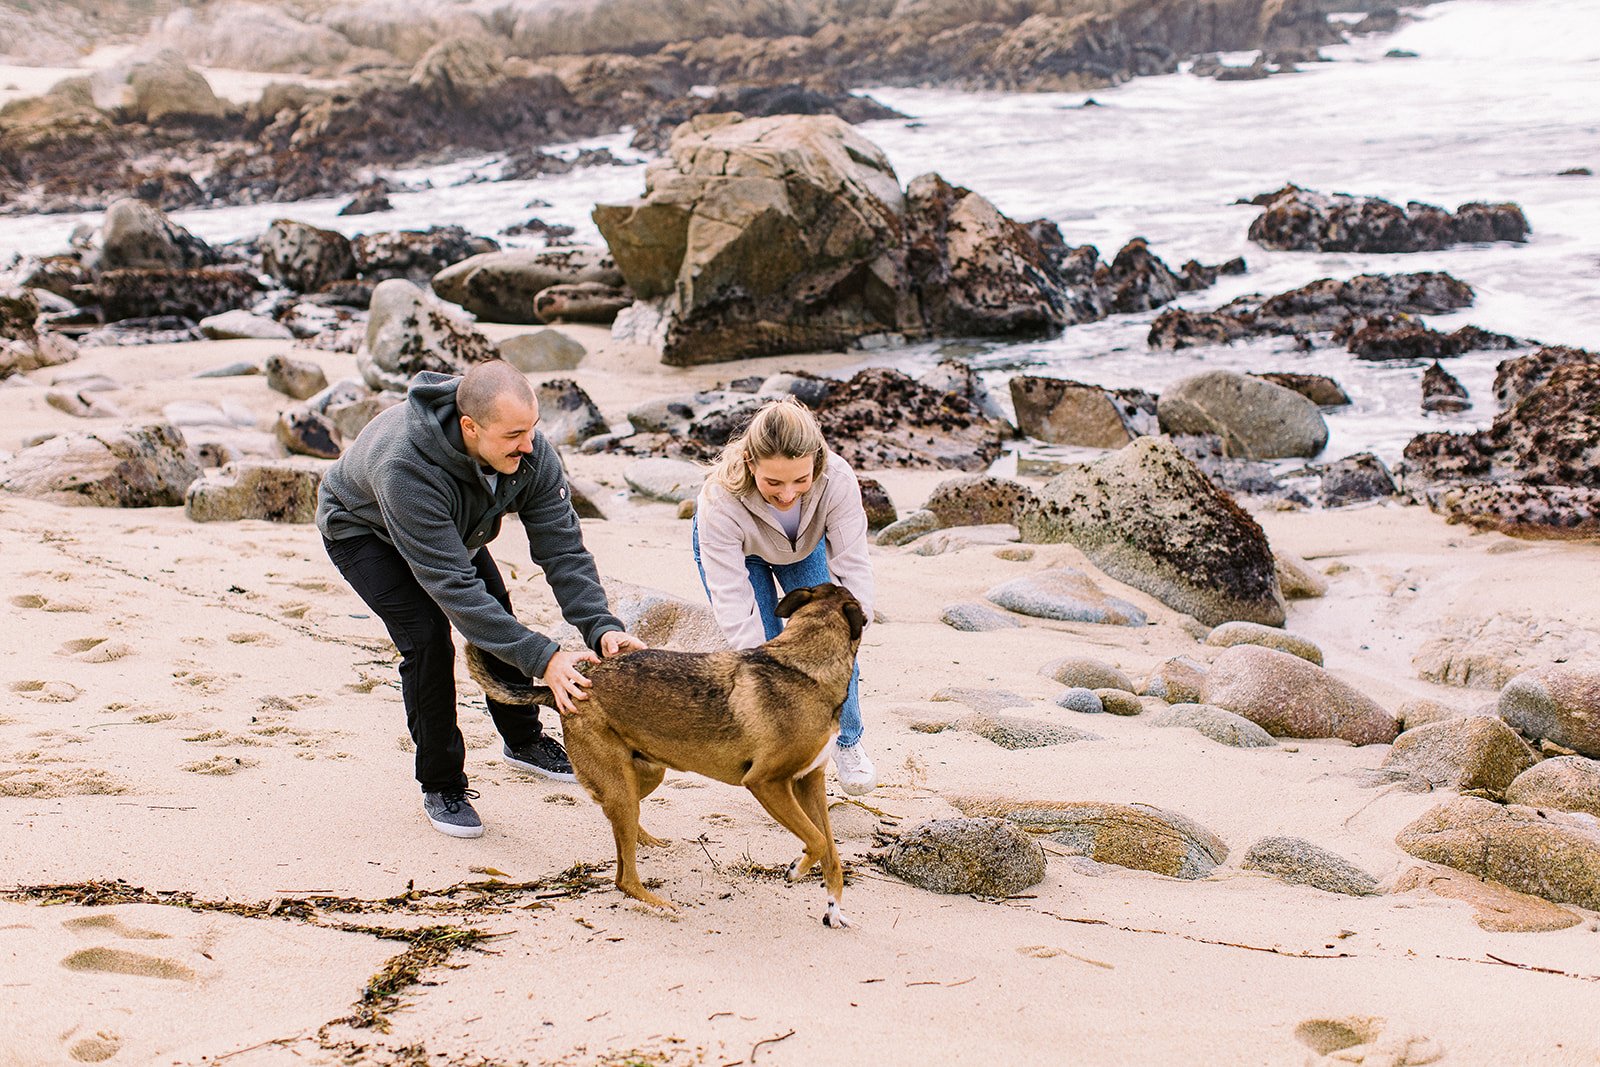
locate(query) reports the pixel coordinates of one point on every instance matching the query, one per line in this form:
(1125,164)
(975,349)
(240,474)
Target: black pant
(428,657)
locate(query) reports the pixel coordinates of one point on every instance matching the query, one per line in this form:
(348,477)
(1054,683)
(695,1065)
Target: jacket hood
(434,425)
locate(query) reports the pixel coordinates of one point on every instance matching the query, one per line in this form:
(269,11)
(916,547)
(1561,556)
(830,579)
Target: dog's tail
(521,695)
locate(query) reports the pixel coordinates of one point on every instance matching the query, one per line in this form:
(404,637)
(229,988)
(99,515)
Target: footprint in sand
(121,961)
(98,1048)
(47,692)
(203,681)
(110,924)
(1365,1039)
(251,637)
(295,610)
(716,818)
(40,602)
(95,649)
(219,765)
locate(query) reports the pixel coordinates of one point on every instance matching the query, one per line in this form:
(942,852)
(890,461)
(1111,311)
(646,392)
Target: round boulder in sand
(1067,595)
(976,618)
(1567,783)
(1223,727)
(1253,633)
(1292,698)
(1560,702)
(1298,861)
(1474,752)
(1553,855)
(989,857)
(1085,673)
(1255,419)
(669,480)
(275,492)
(1138,836)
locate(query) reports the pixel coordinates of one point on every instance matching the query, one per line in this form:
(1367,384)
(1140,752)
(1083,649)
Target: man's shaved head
(485,385)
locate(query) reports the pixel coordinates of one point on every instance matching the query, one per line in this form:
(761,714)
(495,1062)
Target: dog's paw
(649,840)
(835,919)
(797,870)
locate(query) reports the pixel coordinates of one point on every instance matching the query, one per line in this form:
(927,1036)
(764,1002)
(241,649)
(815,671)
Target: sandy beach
(207,709)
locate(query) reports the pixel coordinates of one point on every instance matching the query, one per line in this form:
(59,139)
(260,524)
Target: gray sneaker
(452,812)
(544,757)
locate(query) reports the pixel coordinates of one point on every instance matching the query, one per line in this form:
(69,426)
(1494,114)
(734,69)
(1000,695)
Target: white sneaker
(855,770)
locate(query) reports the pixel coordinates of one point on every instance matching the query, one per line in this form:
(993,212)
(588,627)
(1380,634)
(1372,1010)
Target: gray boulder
(1253,633)
(132,467)
(22,347)
(240,324)
(299,378)
(1018,732)
(502,286)
(1254,418)
(976,618)
(1554,855)
(1081,700)
(1566,783)
(977,500)
(1299,862)
(1178,680)
(1474,752)
(1136,836)
(908,528)
(409,332)
(1148,517)
(669,480)
(1560,703)
(140,236)
(1085,673)
(1071,413)
(1219,724)
(1066,595)
(988,857)
(168,89)
(274,492)
(1355,479)
(1292,698)
(546,350)
(304,257)
(567,416)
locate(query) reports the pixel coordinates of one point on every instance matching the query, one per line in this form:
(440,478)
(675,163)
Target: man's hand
(564,679)
(616,642)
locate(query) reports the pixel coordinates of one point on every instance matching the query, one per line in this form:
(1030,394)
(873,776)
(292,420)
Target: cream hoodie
(733,527)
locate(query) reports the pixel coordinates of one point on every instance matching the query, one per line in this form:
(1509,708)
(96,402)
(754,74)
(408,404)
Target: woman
(780,508)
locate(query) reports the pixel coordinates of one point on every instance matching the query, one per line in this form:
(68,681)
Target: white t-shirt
(789,520)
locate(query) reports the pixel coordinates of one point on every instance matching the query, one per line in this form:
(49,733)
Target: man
(406,514)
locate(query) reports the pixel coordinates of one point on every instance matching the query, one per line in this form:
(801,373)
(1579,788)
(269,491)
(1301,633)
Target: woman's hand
(616,642)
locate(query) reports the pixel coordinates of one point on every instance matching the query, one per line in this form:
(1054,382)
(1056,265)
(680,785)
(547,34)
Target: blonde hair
(780,428)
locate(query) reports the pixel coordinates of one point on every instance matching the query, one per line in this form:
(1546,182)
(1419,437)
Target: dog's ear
(855,617)
(796,600)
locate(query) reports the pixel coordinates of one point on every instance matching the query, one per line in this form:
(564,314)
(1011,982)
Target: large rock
(984,856)
(1072,413)
(1179,680)
(1495,907)
(1066,595)
(1147,517)
(299,378)
(22,347)
(1299,862)
(1254,418)
(759,236)
(1471,752)
(1084,673)
(581,302)
(1356,479)
(1137,836)
(143,293)
(138,235)
(1292,698)
(1221,726)
(240,324)
(1566,783)
(1549,854)
(546,350)
(1253,633)
(882,418)
(409,332)
(134,467)
(1559,702)
(977,500)
(305,257)
(501,286)
(169,90)
(567,417)
(416,255)
(274,492)
(1299,220)
(671,480)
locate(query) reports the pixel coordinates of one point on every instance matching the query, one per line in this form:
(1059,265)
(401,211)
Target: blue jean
(765,579)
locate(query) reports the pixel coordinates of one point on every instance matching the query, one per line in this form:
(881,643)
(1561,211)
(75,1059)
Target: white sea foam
(1502,96)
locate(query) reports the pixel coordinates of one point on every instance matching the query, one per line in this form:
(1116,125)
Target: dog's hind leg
(605,767)
(811,789)
(781,803)
(649,776)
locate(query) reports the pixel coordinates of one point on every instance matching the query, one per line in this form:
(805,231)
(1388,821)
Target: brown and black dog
(763,718)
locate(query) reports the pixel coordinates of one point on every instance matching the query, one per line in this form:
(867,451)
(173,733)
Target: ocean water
(1501,97)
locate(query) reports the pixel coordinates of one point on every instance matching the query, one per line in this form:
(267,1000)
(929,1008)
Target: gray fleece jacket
(408,479)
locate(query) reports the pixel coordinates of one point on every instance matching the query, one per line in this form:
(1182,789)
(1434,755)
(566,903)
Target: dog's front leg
(783,805)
